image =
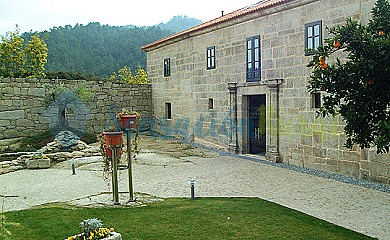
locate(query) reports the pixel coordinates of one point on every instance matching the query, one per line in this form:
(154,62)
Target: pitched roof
(260,6)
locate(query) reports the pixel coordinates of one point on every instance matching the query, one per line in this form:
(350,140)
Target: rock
(66,139)
(38,163)
(77,154)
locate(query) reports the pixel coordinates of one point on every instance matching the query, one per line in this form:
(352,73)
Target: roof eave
(226,21)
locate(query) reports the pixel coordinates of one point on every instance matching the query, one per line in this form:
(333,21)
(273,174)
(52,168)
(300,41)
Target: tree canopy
(352,69)
(102,49)
(125,75)
(22,60)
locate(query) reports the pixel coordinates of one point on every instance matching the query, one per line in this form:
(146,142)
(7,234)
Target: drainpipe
(233,141)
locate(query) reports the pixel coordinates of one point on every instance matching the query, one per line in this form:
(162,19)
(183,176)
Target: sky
(40,15)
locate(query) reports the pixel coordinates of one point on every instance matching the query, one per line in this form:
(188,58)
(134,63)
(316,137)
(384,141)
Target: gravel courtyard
(164,167)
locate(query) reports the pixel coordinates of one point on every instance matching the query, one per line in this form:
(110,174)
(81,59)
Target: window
(316,100)
(210,58)
(168,110)
(313,36)
(167,67)
(211,104)
(253,59)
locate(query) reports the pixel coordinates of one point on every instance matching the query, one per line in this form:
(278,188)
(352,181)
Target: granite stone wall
(27,106)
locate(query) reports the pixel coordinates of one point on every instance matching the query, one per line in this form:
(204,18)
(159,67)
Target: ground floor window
(316,100)
(211,104)
(168,110)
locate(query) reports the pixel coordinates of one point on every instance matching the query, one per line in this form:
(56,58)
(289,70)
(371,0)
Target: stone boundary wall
(24,111)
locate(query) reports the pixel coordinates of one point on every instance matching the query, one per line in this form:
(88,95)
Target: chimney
(222,13)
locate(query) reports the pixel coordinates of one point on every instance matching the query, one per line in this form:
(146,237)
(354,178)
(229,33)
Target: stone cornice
(224,22)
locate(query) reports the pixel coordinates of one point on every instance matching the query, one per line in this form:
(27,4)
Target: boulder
(38,163)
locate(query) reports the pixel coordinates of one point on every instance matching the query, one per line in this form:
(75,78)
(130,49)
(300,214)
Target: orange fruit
(381,33)
(322,62)
(324,66)
(112,229)
(336,44)
(321,58)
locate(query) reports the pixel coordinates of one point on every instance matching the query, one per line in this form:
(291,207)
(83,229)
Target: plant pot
(128,121)
(113,138)
(108,151)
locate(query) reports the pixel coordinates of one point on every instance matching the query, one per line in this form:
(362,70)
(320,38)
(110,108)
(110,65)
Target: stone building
(240,82)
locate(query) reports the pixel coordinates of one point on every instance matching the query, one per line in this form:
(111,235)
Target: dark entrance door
(257,120)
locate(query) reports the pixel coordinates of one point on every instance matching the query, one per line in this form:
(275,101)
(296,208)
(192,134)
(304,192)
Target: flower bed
(93,230)
(99,234)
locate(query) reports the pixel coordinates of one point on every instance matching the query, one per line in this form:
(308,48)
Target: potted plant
(128,119)
(110,138)
(131,120)
(113,137)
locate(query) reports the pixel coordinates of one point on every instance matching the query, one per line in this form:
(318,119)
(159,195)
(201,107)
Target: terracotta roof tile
(262,5)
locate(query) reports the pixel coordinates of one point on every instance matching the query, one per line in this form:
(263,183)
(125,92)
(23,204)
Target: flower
(35,157)
(92,230)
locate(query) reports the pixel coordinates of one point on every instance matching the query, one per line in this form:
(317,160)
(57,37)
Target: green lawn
(203,218)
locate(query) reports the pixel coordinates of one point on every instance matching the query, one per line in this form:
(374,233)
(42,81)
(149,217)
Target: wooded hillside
(102,49)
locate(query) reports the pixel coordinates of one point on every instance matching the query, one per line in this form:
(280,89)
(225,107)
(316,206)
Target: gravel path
(355,207)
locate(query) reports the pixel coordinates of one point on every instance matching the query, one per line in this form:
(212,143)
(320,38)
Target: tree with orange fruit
(357,86)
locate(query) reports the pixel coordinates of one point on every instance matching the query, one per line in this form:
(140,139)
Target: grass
(203,218)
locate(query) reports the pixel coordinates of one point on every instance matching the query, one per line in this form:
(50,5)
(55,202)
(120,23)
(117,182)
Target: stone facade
(213,105)
(24,109)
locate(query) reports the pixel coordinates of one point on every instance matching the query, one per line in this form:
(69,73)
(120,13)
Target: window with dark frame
(167,67)
(211,104)
(211,58)
(253,59)
(168,110)
(313,36)
(316,100)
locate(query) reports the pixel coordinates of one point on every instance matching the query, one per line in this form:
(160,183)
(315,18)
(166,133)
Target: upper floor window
(253,59)
(167,67)
(211,58)
(313,36)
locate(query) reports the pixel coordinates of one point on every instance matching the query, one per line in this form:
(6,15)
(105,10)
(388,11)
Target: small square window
(167,67)
(210,58)
(313,37)
(316,100)
(168,110)
(211,104)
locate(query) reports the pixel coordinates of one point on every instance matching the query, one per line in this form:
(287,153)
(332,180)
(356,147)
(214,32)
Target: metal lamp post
(192,183)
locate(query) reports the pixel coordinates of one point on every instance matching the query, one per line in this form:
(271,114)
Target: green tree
(36,56)
(141,77)
(18,60)
(12,55)
(125,75)
(356,78)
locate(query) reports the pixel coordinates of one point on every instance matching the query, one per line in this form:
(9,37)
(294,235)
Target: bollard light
(73,167)
(192,183)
